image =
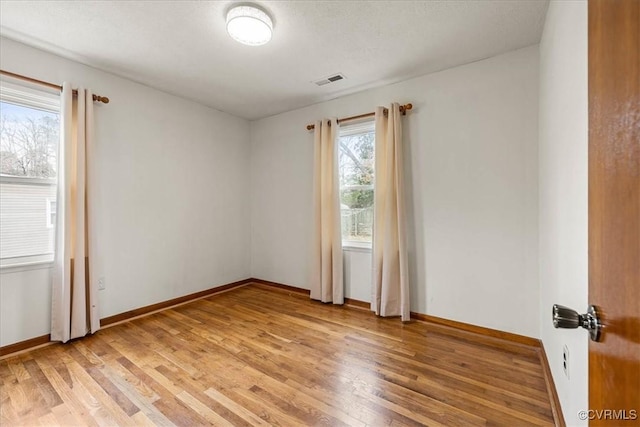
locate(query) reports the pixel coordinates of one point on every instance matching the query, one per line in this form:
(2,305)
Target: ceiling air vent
(330,79)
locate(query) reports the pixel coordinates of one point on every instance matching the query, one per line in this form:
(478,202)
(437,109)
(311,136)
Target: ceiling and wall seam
(311,39)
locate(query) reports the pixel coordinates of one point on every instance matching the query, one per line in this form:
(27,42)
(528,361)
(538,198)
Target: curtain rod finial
(102,99)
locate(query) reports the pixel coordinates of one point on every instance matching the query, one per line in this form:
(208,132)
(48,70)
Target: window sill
(356,247)
(25,266)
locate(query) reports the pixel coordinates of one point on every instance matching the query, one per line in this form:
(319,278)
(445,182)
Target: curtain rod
(98,98)
(403,110)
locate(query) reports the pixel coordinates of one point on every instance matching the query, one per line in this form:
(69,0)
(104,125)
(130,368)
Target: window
(356,165)
(29,138)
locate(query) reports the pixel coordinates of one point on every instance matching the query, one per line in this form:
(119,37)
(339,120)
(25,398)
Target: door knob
(564,317)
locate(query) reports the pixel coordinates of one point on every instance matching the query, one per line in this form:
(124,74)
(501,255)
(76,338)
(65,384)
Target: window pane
(29,140)
(357,214)
(356,161)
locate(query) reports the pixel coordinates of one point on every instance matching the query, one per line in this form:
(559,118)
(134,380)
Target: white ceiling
(182,48)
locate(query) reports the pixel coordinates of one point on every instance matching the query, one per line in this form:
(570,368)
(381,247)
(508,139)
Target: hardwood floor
(256,356)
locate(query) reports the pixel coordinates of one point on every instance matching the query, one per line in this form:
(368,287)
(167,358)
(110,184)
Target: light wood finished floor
(256,356)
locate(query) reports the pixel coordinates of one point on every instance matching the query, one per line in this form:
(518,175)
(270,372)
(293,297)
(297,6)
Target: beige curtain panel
(74,307)
(390,290)
(326,266)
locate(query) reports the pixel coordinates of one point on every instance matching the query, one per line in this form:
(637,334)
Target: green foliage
(357,199)
(357,158)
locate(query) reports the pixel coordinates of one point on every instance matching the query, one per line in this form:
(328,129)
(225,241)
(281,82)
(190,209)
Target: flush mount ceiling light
(249,25)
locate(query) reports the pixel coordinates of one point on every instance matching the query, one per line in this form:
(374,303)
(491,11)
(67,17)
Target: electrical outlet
(565,360)
(101,284)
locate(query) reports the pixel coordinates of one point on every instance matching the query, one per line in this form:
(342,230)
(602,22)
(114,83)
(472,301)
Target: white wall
(563,195)
(25,304)
(472,175)
(357,274)
(170,197)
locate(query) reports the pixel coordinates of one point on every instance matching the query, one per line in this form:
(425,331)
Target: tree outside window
(28,141)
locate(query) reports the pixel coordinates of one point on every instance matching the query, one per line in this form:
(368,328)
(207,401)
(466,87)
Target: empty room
(338,213)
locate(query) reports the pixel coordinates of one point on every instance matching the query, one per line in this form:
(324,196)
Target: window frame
(356,128)
(47,100)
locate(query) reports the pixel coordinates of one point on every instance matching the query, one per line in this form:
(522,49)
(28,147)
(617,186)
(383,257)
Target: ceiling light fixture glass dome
(249,25)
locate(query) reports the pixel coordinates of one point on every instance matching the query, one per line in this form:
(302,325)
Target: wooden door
(614,210)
